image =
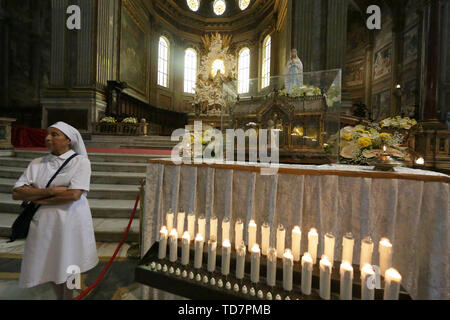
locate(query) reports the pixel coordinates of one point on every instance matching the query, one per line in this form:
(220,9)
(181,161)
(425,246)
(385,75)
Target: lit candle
(288,269)
(265,238)
(226,254)
(185,251)
(162,248)
(325,278)
(251,234)
(313,242)
(366,252)
(238,233)
(271,267)
(180,223)
(191,225)
(347,247)
(213,228)
(198,258)
(329,241)
(225,229)
(255,259)
(367,285)
(212,249)
(385,251)
(296,241)
(346,272)
(173,245)
(240,261)
(281,240)
(202,226)
(169,220)
(307,268)
(392,281)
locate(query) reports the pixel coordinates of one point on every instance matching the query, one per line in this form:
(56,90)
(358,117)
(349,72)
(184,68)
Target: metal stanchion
(134,252)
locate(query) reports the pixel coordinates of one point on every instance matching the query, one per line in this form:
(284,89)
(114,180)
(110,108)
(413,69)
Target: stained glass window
(219,7)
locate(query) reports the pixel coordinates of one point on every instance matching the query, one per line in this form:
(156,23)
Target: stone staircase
(115,182)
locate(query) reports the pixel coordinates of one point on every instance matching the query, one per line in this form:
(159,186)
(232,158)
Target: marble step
(106,230)
(126,139)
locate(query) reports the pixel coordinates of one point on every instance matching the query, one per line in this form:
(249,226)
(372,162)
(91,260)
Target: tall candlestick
(392,281)
(281,240)
(288,269)
(255,259)
(329,241)
(162,248)
(296,242)
(251,234)
(169,220)
(185,250)
(385,251)
(180,224)
(325,278)
(202,226)
(213,228)
(238,233)
(366,252)
(198,258)
(240,261)
(271,267)
(346,272)
(191,225)
(226,254)
(265,238)
(313,242)
(225,229)
(347,247)
(212,249)
(367,286)
(173,247)
(307,268)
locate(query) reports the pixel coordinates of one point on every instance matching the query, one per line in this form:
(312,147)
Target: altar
(409,206)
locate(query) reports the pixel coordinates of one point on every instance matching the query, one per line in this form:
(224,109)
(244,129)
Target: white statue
(294,72)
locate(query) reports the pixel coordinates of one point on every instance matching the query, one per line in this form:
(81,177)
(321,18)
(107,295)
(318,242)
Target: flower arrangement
(398,123)
(303,91)
(206,139)
(132,120)
(108,120)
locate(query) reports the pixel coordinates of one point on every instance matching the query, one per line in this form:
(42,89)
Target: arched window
(190,70)
(243,4)
(244,71)
(267,44)
(193,4)
(163,62)
(219,7)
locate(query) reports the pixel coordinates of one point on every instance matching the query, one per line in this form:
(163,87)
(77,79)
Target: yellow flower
(385,136)
(359,130)
(347,136)
(364,142)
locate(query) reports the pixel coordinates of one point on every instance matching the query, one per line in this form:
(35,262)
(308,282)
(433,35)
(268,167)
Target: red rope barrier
(92,286)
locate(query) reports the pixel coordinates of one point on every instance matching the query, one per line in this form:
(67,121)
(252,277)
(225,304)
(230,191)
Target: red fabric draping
(23,137)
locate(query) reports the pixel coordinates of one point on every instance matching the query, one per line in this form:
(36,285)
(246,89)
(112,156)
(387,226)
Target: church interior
(357,93)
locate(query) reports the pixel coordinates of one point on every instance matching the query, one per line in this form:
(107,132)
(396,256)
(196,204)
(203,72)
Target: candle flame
(313,232)
(384,148)
(307,258)
(255,248)
(288,254)
(174,233)
(420,161)
(199,237)
(324,262)
(296,230)
(226,243)
(186,236)
(346,266)
(385,242)
(252,223)
(164,230)
(393,274)
(367,270)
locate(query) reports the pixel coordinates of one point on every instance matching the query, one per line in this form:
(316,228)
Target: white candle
(198,258)
(325,278)
(255,260)
(226,255)
(202,226)
(180,224)
(212,249)
(346,272)
(191,225)
(225,229)
(169,220)
(238,233)
(296,242)
(392,281)
(251,234)
(307,268)
(367,285)
(366,252)
(281,240)
(385,251)
(313,242)
(271,267)
(265,238)
(173,247)
(213,228)
(347,247)
(329,241)
(162,248)
(185,250)
(240,261)
(288,269)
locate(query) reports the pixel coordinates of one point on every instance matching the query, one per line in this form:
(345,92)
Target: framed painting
(354,74)
(383,63)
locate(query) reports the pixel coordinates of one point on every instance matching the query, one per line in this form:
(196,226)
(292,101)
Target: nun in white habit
(61,233)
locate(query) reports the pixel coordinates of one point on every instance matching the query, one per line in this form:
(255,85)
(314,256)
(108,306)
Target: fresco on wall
(411,44)
(381,105)
(133,62)
(383,63)
(354,74)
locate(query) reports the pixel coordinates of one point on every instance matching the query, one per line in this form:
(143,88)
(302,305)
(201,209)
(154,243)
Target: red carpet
(112,150)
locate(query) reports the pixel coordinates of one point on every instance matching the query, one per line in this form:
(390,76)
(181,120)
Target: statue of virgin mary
(294,72)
